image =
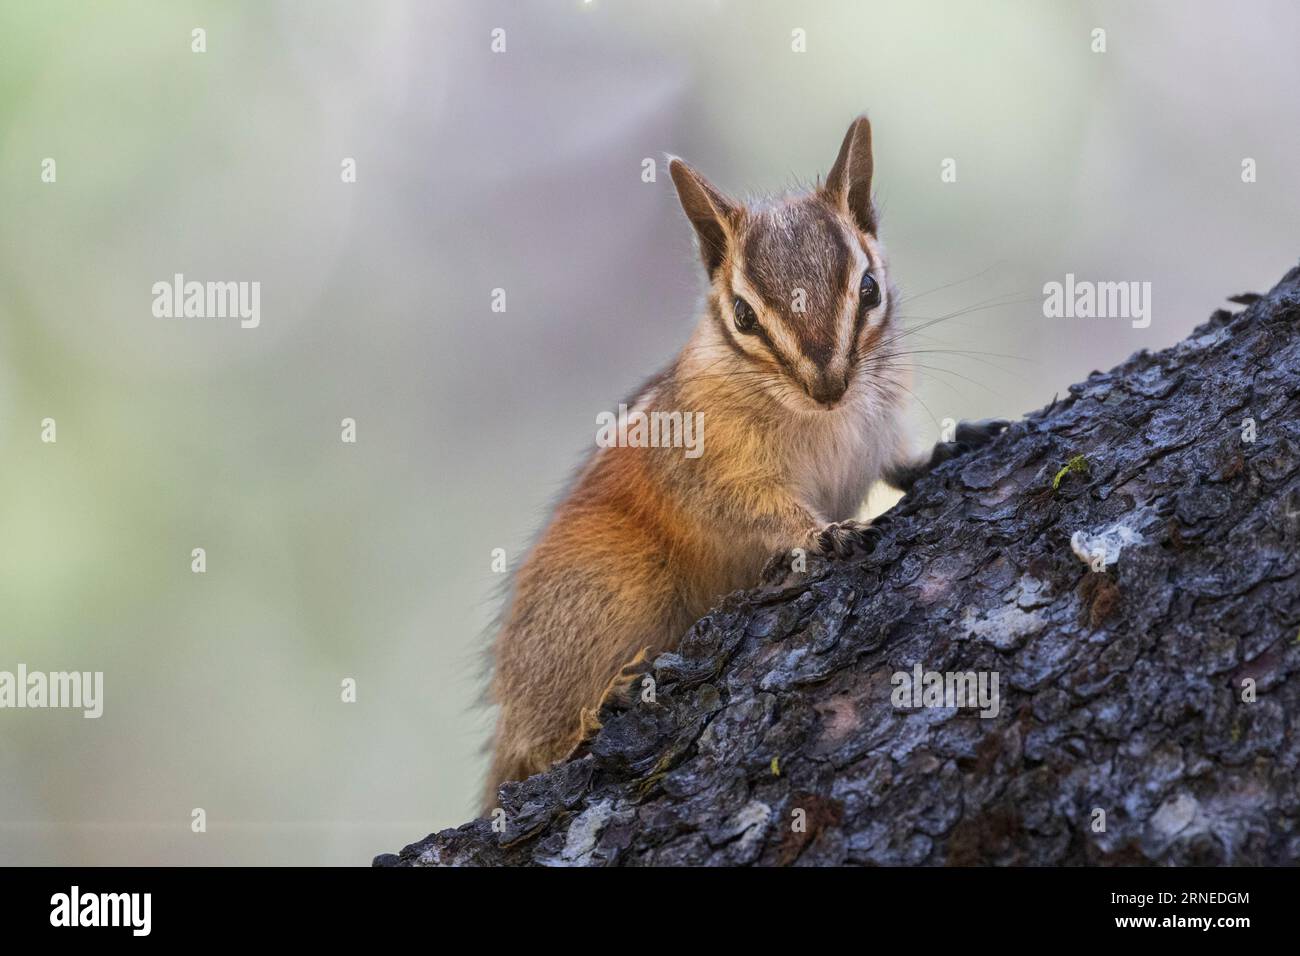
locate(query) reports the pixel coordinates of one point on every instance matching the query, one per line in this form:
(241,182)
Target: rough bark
(1123,690)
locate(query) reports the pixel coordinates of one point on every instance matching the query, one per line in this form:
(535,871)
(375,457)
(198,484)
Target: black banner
(373,906)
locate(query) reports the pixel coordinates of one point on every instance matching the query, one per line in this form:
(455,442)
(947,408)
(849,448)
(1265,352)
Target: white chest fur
(834,457)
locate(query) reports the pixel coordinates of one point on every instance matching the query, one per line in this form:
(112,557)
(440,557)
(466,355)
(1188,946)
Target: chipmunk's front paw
(778,567)
(968,437)
(839,540)
(845,538)
(620,692)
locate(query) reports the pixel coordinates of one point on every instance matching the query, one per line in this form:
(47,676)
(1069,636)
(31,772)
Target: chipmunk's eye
(868,292)
(746,320)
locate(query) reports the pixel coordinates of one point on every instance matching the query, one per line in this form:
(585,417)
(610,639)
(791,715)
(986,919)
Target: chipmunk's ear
(712,214)
(848,185)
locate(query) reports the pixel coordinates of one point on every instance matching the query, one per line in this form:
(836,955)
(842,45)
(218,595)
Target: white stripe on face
(783,340)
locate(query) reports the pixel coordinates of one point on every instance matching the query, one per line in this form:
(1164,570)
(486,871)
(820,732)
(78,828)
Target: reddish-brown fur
(648,539)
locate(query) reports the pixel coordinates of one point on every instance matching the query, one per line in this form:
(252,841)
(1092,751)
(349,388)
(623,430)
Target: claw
(982,432)
(619,692)
(845,538)
(775,570)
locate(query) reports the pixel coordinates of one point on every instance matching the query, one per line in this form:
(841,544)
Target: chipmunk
(803,410)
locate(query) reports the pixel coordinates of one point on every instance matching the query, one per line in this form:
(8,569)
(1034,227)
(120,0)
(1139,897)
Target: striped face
(802,294)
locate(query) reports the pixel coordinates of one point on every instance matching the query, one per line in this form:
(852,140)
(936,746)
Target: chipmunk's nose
(829,388)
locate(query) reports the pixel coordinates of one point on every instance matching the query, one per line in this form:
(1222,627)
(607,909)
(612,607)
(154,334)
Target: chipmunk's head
(799,296)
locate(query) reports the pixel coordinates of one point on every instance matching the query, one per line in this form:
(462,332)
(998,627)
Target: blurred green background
(477,171)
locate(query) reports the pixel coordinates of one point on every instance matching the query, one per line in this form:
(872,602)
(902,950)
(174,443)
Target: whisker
(905,297)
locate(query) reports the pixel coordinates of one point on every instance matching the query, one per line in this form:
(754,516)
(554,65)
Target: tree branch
(1125,729)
